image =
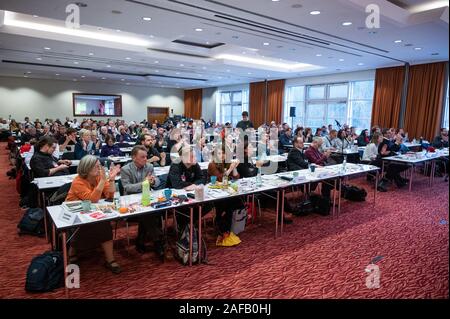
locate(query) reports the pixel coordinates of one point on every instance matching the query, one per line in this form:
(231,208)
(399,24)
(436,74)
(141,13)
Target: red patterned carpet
(317,257)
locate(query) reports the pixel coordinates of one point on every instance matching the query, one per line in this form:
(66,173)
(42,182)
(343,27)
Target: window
(231,106)
(360,104)
(445,119)
(326,104)
(295,97)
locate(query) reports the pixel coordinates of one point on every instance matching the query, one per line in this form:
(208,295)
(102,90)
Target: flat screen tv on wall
(87,104)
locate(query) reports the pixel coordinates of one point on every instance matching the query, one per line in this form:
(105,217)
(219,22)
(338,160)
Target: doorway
(157,113)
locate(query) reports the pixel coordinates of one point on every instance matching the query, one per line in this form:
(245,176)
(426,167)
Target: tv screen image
(85,104)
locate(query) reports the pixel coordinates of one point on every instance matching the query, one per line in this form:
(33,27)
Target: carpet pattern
(405,235)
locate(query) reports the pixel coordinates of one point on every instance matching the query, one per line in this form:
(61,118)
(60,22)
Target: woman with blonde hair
(92,184)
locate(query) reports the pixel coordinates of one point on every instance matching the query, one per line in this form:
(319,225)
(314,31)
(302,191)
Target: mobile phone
(109,200)
(190,195)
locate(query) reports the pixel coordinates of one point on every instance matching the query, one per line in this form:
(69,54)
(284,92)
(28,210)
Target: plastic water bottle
(145,201)
(117,197)
(259,178)
(344,163)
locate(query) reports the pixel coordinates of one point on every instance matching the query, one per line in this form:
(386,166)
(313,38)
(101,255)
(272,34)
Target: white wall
(38,98)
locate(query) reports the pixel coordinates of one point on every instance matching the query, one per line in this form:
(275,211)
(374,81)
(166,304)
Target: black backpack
(182,247)
(32,222)
(321,204)
(353,193)
(45,273)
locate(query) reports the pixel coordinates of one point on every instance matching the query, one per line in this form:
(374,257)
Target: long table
(413,159)
(63,222)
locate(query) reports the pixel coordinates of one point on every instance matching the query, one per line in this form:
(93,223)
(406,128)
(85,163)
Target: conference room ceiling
(209,43)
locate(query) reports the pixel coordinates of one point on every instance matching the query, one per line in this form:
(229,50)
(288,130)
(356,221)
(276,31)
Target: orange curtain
(275,93)
(193,103)
(387,96)
(256,103)
(424,104)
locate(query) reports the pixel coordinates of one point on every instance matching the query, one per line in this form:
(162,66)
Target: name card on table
(69,218)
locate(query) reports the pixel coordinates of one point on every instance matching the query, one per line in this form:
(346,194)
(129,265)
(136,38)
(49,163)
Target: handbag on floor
(182,247)
(353,193)
(239,220)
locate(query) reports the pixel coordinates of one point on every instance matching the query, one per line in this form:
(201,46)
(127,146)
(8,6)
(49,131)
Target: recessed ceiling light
(122,79)
(39,59)
(181,64)
(103,78)
(177,73)
(146,18)
(314,12)
(418,48)
(198,29)
(108,66)
(47,48)
(275,0)
(360,63)
(204,67)
(90,53)
(347,23)
(127,58)
(266,43)
(75,62)
(35,16)
(398,41)
(207,42)
(25,76)
(118,30)
(157,71)
(156,62)
(318,54)
(249,73)
(28,72)
(83,76)
(57,74)
(228,71)
(341,60)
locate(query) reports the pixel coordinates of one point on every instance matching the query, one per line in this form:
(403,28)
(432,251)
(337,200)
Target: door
(157,113)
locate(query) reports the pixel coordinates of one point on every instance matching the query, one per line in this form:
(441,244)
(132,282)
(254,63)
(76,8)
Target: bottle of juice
(145,201)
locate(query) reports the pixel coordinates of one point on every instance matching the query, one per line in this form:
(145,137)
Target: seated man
(153,156)
(315,157)
(132,176)
(185,174)
(43,164)
(286,137)
(296,157)
(441,140)
(313,154)
(329,141)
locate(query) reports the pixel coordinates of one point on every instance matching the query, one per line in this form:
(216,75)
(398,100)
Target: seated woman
(92,184)
(371,156)
(363,138)
(110,149)
(224,208)
(86,145)
(247,169)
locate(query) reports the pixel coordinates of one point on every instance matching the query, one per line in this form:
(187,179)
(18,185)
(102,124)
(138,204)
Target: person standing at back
(245,123)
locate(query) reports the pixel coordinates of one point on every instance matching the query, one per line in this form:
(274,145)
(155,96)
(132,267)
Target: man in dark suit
(296,158)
